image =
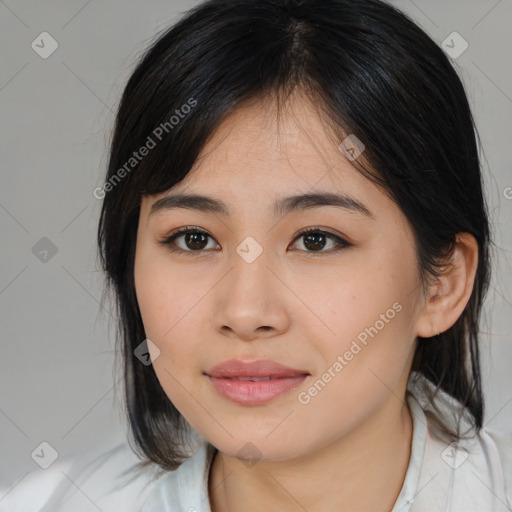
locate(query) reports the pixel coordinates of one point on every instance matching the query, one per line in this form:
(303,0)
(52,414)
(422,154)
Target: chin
(252,451)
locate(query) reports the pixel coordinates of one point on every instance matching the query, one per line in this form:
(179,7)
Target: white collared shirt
(473,476)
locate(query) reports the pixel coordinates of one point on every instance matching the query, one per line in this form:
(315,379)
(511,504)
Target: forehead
(262,136)
(271,144)
(259,154)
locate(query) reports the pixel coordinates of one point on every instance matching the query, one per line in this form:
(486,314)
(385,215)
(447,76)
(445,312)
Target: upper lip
(261,368)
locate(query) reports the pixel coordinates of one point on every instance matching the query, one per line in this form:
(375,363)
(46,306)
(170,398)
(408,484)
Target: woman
(294,229)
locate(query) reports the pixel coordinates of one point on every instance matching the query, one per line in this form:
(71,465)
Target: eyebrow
(281,206)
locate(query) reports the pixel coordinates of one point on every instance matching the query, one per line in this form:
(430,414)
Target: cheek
(164,295)
(367,315)
(169,311)
(366,356)
(345,303)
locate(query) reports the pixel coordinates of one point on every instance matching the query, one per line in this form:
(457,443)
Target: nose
(251,302)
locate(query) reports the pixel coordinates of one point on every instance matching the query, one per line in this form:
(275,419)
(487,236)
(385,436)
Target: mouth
(255,382)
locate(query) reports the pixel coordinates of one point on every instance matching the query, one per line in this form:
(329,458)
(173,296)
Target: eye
(316,239)
(195,240)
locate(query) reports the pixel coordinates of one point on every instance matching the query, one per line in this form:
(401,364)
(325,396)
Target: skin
(295,306)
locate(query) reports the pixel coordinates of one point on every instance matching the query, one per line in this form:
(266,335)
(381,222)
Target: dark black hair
(370,71)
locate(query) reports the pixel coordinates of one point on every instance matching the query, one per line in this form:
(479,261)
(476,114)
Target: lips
(263,369)
(255,382)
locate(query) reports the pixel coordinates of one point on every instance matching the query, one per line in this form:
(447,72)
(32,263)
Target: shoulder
(498,445)
(102,476)
(473,473)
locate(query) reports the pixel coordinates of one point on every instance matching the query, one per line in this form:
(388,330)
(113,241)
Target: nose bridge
(250,266)
(249,298)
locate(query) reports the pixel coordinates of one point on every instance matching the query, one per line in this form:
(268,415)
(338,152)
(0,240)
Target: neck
(364,470)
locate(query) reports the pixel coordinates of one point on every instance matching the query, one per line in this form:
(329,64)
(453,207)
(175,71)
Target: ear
(448,296)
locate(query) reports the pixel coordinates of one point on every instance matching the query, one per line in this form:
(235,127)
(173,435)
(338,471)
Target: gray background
(56,377)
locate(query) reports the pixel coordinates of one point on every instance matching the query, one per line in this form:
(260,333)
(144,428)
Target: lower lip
(248,392)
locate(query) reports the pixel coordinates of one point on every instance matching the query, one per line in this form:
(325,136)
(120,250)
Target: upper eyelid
(186,229)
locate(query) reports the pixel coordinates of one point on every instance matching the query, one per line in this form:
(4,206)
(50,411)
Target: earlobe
(449,295)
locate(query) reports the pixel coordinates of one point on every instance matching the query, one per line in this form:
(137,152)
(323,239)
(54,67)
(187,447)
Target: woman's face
(341,304)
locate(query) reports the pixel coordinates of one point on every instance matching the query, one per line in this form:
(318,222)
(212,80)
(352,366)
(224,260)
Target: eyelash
(169,240)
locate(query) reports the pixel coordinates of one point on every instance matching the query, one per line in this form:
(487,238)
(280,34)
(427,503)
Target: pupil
(318,241)
(193,240)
